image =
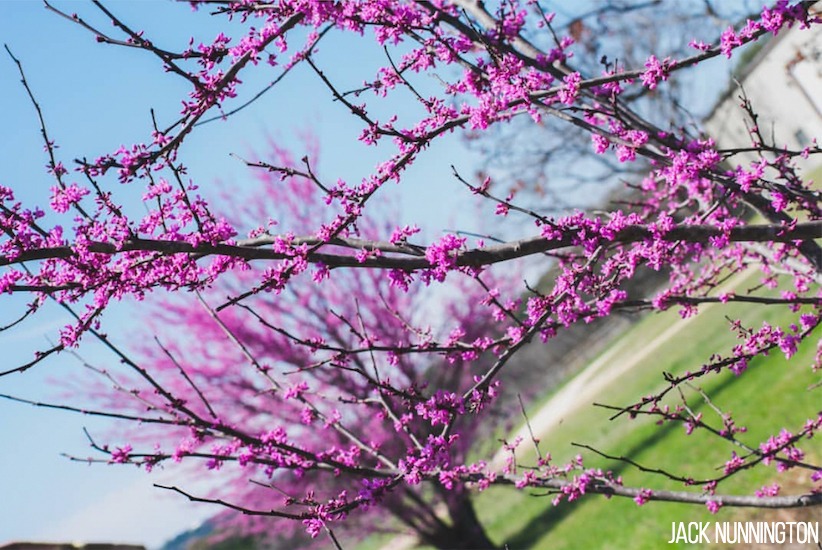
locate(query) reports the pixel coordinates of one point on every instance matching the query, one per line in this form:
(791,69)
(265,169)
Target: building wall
(784,84)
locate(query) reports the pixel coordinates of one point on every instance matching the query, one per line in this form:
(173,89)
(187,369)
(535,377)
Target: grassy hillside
(773,393)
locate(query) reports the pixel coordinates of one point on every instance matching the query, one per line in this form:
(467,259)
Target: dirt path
(594,379)
(585,387)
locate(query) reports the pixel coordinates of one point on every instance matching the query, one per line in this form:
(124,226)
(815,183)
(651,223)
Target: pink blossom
(120,455)
(643,497)
(569,91)
(63,197)
(656,71)
(442,255)
(729,41)
(713,506)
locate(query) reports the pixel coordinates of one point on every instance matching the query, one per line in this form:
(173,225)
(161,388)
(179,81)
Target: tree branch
(252,249)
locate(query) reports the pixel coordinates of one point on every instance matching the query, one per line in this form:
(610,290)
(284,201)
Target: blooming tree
(312,372)
(272,355)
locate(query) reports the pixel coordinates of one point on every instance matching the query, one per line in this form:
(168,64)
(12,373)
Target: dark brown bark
(464,532)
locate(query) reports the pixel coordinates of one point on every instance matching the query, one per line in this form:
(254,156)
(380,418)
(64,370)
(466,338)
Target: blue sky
(94,98)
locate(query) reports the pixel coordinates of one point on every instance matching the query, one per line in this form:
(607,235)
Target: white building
(784,85)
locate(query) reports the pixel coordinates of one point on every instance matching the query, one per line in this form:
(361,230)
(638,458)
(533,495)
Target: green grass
(815,175)
(770,395)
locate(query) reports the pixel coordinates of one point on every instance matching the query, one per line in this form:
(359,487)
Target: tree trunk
(464,531)
(447,522)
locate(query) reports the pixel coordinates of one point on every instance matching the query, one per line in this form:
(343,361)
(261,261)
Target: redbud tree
(349,366)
